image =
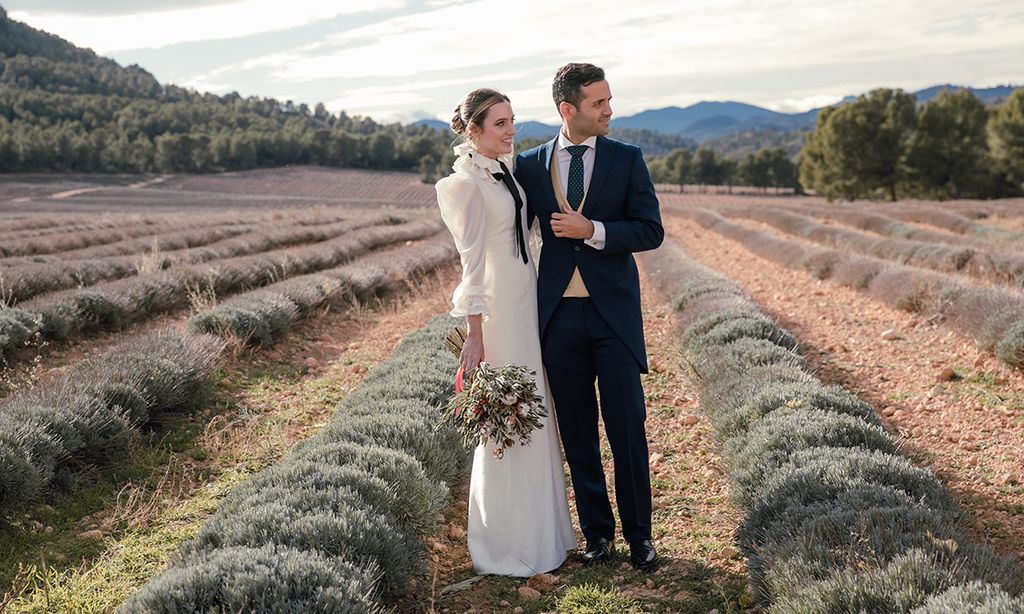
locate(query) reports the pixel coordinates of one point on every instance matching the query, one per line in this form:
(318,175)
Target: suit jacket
(621,196)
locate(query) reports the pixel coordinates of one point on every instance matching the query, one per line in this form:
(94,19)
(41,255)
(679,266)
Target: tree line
(766,168)
(184,131)
(883,145)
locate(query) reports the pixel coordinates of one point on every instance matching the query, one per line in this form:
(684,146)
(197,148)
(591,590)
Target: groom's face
(595,110)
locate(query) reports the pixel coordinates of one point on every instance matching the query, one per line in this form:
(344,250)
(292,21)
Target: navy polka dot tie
(574,190)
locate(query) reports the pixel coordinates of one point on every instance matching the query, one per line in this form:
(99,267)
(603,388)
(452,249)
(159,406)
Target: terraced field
(218,393)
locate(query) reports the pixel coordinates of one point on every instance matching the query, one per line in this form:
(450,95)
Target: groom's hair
(570,81)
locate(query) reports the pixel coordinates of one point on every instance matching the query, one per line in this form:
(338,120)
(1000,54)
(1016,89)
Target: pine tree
(948,155)
(1006,139)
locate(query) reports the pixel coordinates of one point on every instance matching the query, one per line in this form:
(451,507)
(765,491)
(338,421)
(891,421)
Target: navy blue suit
(600,337)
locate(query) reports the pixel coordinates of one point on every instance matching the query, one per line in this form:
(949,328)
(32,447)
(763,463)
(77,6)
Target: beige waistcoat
(576,288)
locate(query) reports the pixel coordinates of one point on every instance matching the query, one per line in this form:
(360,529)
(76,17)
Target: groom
(596,206)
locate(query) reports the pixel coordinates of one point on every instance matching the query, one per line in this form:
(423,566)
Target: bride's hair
(473,109)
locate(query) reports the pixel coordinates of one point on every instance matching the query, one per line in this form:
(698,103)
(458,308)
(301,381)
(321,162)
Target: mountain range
(713,120)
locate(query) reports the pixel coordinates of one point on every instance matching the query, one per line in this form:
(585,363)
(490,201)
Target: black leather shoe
(642,555)
(598,550)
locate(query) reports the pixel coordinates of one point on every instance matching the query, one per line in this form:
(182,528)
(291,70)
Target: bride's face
(494,137)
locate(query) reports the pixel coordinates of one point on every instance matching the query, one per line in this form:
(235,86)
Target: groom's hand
(571,225)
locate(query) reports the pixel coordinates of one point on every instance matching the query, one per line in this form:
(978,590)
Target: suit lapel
(602,162)
(547,153)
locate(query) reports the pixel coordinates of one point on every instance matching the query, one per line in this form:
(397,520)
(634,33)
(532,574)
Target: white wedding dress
(518,513)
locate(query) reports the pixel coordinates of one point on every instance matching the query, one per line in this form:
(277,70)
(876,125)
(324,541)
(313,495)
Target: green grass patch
(51,531)
(126,563)
(595,599)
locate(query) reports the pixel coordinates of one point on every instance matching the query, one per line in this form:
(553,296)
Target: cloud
(101,7)
(409,56)
(154,29)
(796,105)
(665,52)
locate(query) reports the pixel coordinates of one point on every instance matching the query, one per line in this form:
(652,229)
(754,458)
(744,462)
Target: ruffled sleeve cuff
(470,301)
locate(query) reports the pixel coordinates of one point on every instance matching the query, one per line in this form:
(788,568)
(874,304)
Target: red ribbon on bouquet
(459,386)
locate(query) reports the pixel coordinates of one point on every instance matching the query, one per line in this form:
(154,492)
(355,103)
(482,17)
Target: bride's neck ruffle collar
(475,163)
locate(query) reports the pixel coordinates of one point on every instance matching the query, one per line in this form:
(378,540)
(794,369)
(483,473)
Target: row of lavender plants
(953,217)
(883,224)
(53,226)
(18,283)
(60,242)
(23,280)
(951,220)
(836,519)
(993,317)
(256,223)
(261,316)
(91,412)
(179,231)
(933,216)
(334,526)
(28,222)
(997,265)
(974,209)
(36,224)
(114,304)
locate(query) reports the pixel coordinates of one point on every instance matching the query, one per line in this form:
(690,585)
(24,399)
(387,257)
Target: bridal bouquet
(500,405)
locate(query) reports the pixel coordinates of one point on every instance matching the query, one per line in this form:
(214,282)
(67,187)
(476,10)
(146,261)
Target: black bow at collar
(506,178)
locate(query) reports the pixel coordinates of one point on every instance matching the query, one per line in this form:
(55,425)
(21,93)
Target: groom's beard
(598,128)
(589,129)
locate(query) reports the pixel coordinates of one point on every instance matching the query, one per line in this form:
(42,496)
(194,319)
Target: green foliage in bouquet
(500,404)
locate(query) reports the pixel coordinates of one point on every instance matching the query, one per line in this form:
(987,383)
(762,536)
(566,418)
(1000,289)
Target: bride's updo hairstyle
(473,109)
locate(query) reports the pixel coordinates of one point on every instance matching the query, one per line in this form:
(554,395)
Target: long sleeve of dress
(462,209)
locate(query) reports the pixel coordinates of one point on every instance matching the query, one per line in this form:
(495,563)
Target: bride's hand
(472,354)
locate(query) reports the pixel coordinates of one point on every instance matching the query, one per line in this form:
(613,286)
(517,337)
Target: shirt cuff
(596,241)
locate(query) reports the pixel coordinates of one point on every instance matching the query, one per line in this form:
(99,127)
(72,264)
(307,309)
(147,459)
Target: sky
(402,60)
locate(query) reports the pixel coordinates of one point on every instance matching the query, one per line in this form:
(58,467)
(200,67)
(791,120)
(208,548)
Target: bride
(518,513)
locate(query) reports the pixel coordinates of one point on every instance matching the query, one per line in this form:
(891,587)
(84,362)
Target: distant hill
(717,123)
(733,129)
(34,59)
(737,145)
(652,142)
(696,119)
(988,95)
(433,124)
(67,109)
(705,121)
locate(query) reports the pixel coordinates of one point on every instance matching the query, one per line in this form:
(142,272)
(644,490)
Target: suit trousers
(578,347)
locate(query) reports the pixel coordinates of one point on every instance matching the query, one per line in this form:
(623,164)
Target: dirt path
(693,519)
(969,430)
(135,186)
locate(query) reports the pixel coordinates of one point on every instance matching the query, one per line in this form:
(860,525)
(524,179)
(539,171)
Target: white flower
(522,409)
(509,399)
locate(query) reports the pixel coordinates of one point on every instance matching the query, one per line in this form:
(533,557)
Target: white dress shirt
(563,157)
